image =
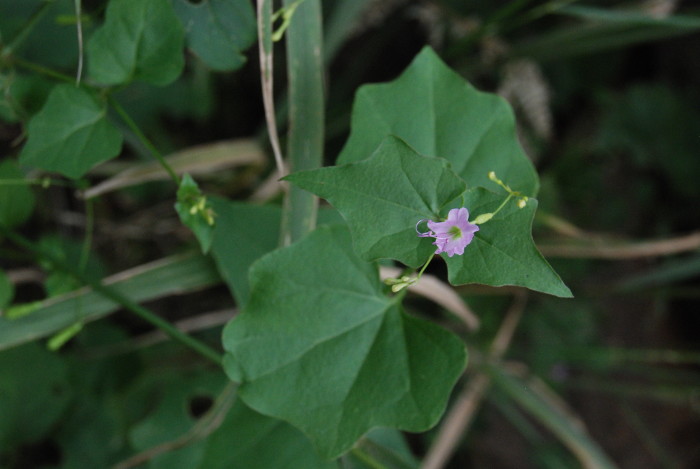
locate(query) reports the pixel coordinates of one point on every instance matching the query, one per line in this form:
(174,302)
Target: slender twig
(42,70)
(79,27)
(265,49)
(561,226)
(193,324)
(115,296)
(637,250)
(456,422)
(143,139)
(505,333)
(461,413)
(28,275)
(202,429)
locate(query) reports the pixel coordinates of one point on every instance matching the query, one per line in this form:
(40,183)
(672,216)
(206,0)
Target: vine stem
(266,78)
(79,31)
(115,296)
(144,140)
(623,251)
(41,69)
(425,266)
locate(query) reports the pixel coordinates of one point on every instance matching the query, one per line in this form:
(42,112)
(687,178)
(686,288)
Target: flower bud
(483,218)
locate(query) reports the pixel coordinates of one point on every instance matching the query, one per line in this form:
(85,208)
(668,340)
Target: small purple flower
(452,235)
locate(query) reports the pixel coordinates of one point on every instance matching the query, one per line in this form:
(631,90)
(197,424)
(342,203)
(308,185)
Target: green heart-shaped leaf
(383,197)
(439,114)
(218,30)
(317,338)
(140,40)
(242,234)
(503,251)
(70,134)
(249,440)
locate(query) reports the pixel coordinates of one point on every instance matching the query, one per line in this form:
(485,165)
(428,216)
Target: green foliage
(246,232)
(328,325)
(22,96)
(437,113)
(70,134)
(327,362)
(172,418)
(386,446)
(386,195)
(147,282)
(7,290)
(34,392)
(243,439)
(194,212)
(503,252)
(218,31)
(50,38)
(59,282)
(555,418)
(243,234)
(140,40)
(16,198)
(383,197)
(254,441)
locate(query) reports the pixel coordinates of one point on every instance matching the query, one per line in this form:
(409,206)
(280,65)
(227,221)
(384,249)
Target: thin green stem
(143,139)
(41,70)
(503,204)
(115,296)
(286,13)
(420,273)
(306,114)
(79,30)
